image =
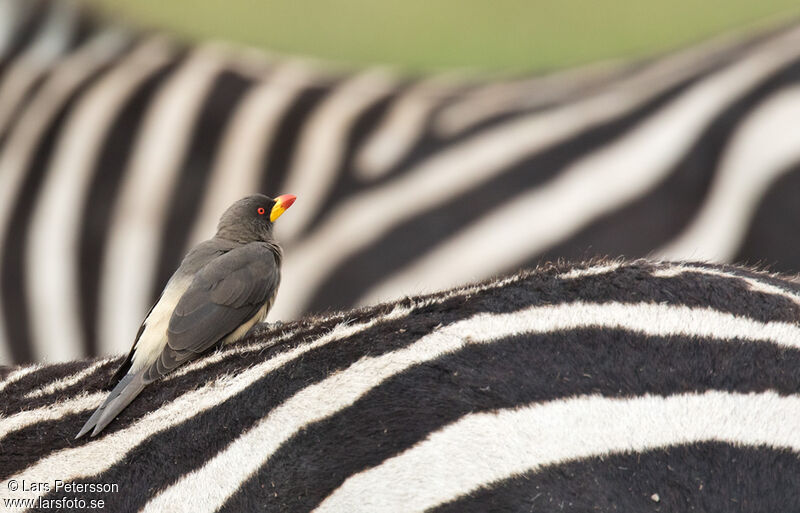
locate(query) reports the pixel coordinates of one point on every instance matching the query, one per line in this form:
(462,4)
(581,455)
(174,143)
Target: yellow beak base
(281,204)
(276,212)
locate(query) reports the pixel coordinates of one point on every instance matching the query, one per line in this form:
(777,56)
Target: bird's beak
(281,204)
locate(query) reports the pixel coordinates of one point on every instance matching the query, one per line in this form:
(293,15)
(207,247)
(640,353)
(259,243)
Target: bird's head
(250,219)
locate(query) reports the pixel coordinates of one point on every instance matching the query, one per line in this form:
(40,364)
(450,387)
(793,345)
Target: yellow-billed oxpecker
(224,286)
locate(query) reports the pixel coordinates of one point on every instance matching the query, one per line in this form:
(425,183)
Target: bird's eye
(261,211)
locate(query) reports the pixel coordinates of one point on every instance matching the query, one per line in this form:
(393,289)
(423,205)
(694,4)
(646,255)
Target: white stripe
(595,185)
(323,141)
(359,222)
(67,381)
(753,284)
(239,461)
(237,169)
(18,149)
(52,411)
(497,98)
(131,255)
(339,332)
(100,454)
(345,328)
(591,271)
(482,448)
(401,127)
(764,147)
(52,258)
(500,97)
(229,350)
(18,374)
(49,44)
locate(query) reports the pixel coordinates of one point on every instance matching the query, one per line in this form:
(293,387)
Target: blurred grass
(511,35)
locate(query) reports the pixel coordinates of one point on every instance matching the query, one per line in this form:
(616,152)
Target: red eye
(261,211)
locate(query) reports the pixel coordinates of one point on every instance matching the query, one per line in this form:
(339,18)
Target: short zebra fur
(119,148)
(611,384)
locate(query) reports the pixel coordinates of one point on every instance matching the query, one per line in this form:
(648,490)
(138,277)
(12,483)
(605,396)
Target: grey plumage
(223,286)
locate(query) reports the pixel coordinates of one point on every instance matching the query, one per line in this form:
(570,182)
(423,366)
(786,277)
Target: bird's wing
(223,295)
(192,262)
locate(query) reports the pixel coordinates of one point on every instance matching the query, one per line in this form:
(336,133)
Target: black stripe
(216,110)
(404,409)
(17,391)
(24,447)
(694,289)
(86,26)
(14,400)
(282,148)
(345,182)
(771,236)
(710,476)
(737,270)
(661,214)
(113,161)
(13,283)
(5,370)
(406,241)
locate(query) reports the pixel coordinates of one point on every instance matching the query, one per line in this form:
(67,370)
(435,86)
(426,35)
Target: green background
(512,35)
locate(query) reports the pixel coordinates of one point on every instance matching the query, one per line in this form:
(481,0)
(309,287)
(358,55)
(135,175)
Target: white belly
(154,336)
(258,317)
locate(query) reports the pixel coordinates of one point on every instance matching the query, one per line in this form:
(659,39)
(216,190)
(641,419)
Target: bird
(223,286)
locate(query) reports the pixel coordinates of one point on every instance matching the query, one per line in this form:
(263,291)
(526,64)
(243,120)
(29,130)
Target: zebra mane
(318,412)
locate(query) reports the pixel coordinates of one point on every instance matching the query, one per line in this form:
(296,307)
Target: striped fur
(119,149)
(612,385)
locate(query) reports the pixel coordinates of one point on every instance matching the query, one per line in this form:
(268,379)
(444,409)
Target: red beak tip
(286,200)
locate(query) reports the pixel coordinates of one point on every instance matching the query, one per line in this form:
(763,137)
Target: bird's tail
(126,391)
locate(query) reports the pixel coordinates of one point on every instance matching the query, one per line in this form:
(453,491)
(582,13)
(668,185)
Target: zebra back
(609,385)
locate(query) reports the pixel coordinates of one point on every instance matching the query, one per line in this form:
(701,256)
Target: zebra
(120,146)
(608,385)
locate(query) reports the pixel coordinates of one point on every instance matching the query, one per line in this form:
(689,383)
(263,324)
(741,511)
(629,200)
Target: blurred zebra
(608,386)
(119,148)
